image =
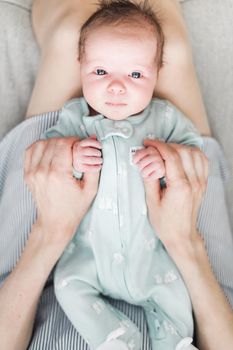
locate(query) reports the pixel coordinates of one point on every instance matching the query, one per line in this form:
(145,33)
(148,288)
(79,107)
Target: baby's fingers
(144,152)
(87,153)
(150,163)
(90,152)
(153,171)
(87,164)
(90,160)
(89,142)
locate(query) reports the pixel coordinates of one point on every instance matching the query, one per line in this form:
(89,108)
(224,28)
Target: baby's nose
(116,87)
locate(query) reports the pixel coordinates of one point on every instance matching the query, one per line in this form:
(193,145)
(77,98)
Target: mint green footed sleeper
(115,252)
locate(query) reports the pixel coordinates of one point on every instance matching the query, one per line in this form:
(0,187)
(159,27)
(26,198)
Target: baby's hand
(150,163)
(87,156)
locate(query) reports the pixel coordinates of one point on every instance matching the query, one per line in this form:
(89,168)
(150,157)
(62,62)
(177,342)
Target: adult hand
(61,200)
(173,210)
(173,214)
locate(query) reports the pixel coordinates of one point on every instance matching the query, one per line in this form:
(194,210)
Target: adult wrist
(187,251)
(54,233)
(46,245)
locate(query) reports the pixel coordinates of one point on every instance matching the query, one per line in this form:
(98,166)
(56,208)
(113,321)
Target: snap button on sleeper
(125,127)
(119,124)
(127,131)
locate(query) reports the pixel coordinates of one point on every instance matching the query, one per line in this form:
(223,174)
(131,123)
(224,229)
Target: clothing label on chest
(132,152)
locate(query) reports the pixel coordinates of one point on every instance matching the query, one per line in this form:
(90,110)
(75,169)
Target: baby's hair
(117,12)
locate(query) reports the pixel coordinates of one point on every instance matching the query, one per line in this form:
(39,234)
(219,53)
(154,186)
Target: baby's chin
(111,112)
(116,116)
(118,112)
(120,115)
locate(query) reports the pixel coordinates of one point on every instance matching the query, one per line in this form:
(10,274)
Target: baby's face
(118,70)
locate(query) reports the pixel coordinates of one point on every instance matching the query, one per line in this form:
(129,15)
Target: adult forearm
(21,291)
(213,313)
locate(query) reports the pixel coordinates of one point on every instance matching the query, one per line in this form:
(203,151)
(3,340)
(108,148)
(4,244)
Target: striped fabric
(52,329)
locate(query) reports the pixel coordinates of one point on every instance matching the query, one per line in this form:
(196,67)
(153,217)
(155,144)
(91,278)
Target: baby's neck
(92,112)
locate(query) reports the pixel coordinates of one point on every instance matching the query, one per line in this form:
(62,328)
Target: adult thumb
(153,191)
(91,182)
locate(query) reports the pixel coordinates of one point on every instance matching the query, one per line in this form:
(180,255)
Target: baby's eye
(100,72)
(136,75)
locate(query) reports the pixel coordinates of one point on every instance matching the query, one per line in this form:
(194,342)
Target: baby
(115,252)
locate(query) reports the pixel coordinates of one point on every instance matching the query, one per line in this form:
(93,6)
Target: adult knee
(178,51)
(57,25)
(61,38)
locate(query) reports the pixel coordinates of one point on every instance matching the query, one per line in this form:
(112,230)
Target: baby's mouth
(115,104)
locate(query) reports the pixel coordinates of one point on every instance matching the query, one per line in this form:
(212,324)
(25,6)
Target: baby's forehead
(122,36)
(124,43)
(126,29)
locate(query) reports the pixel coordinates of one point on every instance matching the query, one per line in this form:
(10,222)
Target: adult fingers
(153,193)
(47,155)
(32,161)
(27,159)
(195,165)
(202,167)
(62,155)
(33,155)
(188,163)
(90,183)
